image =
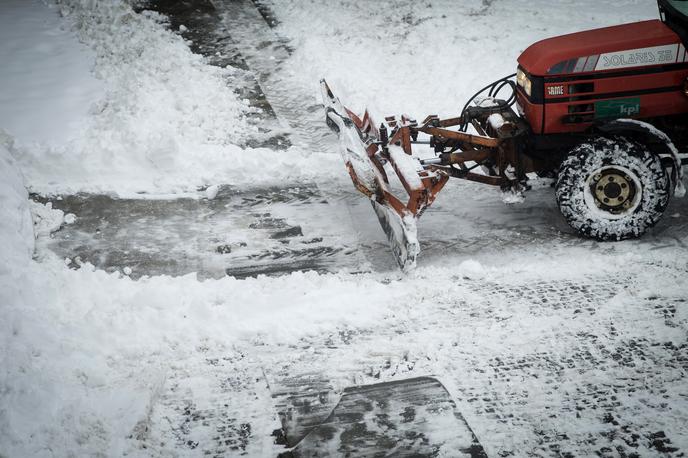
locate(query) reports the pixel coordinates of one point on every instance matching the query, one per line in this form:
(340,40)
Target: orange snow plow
(374,153)
(610,126)
(366,149)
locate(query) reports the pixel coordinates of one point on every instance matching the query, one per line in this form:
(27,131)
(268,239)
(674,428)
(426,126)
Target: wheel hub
(613,190)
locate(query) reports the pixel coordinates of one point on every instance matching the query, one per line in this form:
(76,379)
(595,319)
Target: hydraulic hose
(494,89)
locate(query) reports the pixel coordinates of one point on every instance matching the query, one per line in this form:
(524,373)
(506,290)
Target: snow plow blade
(371,155)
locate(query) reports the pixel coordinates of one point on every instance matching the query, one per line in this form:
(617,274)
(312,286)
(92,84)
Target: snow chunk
(513,197)
(46,219)
(472,269)
(496,120)
(485,102)
(70,218)
(211,192)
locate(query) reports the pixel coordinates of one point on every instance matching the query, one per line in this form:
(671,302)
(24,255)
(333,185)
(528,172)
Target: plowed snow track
(239,232)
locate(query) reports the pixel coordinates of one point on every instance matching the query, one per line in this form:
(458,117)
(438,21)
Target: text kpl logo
(629,110)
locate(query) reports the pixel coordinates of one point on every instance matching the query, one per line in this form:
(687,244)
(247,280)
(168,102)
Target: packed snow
(428,57)
(515,315)
(52,105)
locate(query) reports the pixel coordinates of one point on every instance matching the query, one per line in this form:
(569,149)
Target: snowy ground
(151,179)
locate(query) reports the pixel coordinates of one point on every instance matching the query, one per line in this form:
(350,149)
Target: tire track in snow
(574,367)
(215,403)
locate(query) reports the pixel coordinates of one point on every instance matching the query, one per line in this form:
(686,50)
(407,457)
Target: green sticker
(619,108)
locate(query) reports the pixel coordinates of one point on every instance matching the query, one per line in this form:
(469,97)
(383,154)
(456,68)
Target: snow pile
(168,121)
(16,226)
(16,249)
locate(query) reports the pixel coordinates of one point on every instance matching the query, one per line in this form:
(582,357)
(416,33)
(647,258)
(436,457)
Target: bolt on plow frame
(374,153)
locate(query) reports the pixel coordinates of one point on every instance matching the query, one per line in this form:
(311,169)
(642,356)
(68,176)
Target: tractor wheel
(612,189)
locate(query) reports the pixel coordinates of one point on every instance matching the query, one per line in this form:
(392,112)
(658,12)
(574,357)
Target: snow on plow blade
(370,154)
(401,234)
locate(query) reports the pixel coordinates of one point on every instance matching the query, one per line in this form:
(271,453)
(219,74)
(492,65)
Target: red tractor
(604,111)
